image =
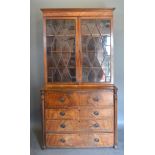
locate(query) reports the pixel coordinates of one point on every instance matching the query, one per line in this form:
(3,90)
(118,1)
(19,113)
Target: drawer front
(80,140)
(105,125)
(96,98)
(96,113)
(61,113)
(53,99)
(62,125)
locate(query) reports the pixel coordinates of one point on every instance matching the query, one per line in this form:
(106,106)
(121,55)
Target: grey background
(36,58)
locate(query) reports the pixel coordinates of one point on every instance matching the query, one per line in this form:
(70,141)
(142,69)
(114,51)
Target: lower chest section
(79,118)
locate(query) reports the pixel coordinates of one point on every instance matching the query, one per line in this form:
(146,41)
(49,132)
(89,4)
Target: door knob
(62,113)
(62,140)
(96,113)
(62,125)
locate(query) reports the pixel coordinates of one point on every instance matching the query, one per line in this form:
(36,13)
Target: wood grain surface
(80,140)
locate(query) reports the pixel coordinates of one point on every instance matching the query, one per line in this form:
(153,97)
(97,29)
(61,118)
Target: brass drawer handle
(96,113)
(62,140)
(96,99)
(96,125)
(62,125)
(62,99)
(96,140)
(62,113)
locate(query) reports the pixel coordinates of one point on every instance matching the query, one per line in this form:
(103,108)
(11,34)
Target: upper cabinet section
(78,46)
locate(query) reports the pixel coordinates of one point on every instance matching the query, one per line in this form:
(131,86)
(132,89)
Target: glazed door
(60,52)
(96,45)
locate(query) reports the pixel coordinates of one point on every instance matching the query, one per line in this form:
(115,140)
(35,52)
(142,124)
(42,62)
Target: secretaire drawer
(80,140)
(61,113)
(61,99)
(96,113)
(96,98)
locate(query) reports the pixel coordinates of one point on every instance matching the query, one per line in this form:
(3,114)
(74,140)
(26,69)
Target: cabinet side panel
(115,119)
(45,53)
(43,119)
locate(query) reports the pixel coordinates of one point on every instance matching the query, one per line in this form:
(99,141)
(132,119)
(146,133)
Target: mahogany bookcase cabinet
(79,98)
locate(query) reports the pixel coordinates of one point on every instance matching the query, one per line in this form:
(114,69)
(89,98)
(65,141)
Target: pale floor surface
(36,148)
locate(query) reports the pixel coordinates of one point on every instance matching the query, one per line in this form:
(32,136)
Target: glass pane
(96,50)
(60,36)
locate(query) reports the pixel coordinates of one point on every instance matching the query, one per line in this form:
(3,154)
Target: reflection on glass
(96,50)
(60,36)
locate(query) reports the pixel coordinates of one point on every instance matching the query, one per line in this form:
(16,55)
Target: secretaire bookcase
(79,98)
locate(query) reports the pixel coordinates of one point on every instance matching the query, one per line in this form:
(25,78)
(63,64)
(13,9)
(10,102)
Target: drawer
(96,98)
(105,125)
(62,125)
(80,140)
(96,113)
(53,99)
(61,113)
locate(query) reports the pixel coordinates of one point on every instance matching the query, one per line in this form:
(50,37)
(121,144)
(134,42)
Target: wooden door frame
(111,47)
(46,83)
